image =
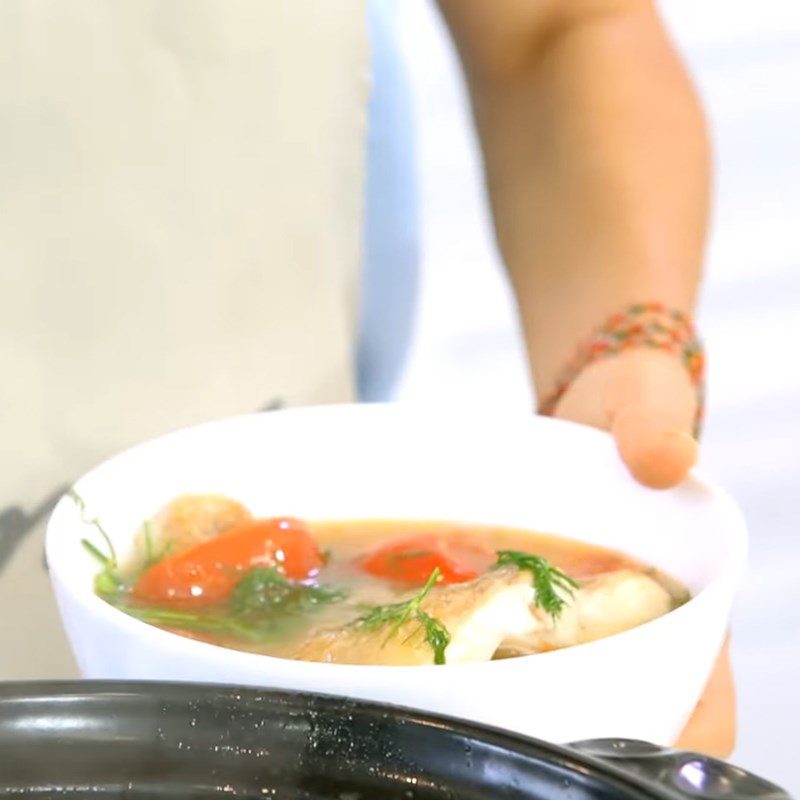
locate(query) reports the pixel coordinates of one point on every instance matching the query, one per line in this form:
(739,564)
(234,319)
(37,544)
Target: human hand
(646,399)
(712,727)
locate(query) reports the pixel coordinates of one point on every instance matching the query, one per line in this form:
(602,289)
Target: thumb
(658,453)
(653,408)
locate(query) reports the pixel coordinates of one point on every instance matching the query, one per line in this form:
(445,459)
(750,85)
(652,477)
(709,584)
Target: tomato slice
(412,560)
(208,572)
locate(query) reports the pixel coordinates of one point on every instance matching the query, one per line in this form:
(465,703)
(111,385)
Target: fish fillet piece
(605,605)
(618,602)
(478,616)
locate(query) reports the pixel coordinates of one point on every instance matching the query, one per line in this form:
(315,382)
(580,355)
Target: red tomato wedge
(208,572)
(413,560)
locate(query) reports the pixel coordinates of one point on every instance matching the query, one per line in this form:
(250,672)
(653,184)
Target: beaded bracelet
(643,325)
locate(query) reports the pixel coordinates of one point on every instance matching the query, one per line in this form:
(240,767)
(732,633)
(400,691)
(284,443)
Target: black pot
(136,740)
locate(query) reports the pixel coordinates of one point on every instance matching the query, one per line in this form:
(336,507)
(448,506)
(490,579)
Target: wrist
(643,328)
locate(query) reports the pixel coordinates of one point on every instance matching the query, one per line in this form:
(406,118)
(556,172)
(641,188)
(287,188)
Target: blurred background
(466,348)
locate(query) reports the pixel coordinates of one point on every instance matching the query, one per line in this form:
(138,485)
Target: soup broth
(375,591)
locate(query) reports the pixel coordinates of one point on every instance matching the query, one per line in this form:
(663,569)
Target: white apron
(181,186)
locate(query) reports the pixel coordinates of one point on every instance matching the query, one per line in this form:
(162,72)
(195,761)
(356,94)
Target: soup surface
(373,592)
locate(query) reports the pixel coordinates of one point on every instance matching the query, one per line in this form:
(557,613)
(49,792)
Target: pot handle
(685,774)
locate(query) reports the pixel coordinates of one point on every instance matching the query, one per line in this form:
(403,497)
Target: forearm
(597,166)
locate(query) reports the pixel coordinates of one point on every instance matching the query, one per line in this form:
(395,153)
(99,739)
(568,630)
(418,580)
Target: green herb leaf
(263,590)
(265,607)
(214,623)
(151,556)
(78,500)
(107,583)
(436,635)
(95,553)
(546,579)
(396,615)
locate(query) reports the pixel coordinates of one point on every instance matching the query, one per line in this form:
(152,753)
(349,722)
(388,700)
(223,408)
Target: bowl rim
(730,568)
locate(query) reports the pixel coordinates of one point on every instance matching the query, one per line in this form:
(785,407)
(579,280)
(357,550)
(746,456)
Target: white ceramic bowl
(389,462)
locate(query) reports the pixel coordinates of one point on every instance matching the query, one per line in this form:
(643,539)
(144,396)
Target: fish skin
(478,615)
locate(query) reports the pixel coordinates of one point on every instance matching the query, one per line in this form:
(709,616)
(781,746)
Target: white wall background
(746,59)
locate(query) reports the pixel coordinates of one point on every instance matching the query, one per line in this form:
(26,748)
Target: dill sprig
(265,607)
(258,630)
(436,635)
(151,555)
(95,522)
(107,582)
(264,590)
(178,618)
(396,615)
(149,552)
(546,579)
